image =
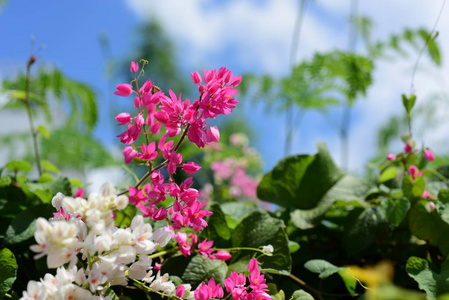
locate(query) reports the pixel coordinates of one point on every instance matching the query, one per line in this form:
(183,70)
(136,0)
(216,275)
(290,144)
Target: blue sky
(245,36)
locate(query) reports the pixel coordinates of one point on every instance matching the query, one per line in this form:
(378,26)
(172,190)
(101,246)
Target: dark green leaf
(260,229)
(428,225)
(23,225)
(300,181)
(202,269)
(395,210)
(362,228)
(8,267)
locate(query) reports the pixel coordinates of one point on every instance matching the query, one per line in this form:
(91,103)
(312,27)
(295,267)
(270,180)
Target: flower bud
(428,155)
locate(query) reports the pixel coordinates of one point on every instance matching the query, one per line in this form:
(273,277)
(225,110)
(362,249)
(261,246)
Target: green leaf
(8,275)
(45,177)
(443,196)
(428,225)
(19,166)
(49,167)
(237,210)
(5,181)
(300,181)
(218,229)
(388,174)
(321,267)
(362,227)
(201,269)
(260,229)
(293,246)
(395,210)
(75,182)
(347,189)
(301,295)
(434,284)
(349,280)
(23,225)
(279,296)
(413,190)
(43,130)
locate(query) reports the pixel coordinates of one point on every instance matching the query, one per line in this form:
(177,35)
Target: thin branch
(26,100)
(432,33)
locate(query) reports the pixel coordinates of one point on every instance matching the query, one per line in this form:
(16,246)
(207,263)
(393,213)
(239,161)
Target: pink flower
(79,193)
(196,77)
(414,172)
(408,148)
(129,154)
(160,214)
(223,255)
(391,156)
(205,247)
(148,152)
(124,90)
(124,118)
(213,135)
(428,155)
(180,291)
(134,67)
(190,167)
(425,195)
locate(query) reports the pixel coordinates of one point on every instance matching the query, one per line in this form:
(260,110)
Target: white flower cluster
(65,285)
(85,228)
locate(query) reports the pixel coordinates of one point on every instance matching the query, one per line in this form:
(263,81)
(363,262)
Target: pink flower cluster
(236,285)
(157,112)
(242,184)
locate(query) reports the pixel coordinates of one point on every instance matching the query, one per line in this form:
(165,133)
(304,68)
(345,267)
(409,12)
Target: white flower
(142,233)
(57,201)
(138,270)
(58,240)
(163,284)
(268,249)
(35,290)
(162,236)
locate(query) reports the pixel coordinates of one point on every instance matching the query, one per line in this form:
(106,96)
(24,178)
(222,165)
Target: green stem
(244,248)
(162,253)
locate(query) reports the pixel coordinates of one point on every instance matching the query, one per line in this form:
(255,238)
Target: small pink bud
(180,291)
(223,255)
(196,77)
(430,206)
(190,167)
(137,102)
(212,134)
(413,171)
(79,193)
(408,148)
(391,156)
(160,214)
(426,195)
(134,67)
(129,154)
(139,120)
(429,155)
(124,90)
(157,266)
